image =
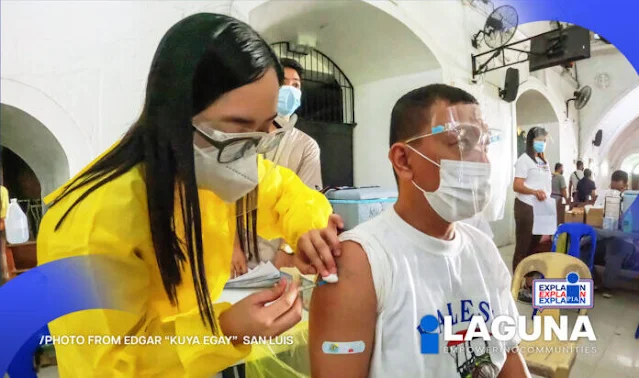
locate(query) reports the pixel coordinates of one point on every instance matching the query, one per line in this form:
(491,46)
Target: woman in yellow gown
(163,204)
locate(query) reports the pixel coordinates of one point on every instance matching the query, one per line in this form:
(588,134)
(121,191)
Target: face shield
(460,149)
(231,164)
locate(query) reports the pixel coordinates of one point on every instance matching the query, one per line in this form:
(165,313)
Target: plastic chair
(22,365)
(576,231)
(541,356)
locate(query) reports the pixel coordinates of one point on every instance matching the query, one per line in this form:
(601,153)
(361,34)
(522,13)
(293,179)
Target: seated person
(586,188)
(618,184)
(417,259)
(614,252)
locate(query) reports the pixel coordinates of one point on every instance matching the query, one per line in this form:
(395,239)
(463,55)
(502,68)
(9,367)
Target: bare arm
(344,312)
(514,367)
(519,187)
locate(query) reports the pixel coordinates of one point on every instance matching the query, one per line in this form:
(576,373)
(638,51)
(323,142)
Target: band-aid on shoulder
(343,347)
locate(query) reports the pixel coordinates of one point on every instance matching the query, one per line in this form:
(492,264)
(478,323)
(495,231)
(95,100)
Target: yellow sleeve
(287,208)
(100,226)
(4,201)
(205,360)
(113,222)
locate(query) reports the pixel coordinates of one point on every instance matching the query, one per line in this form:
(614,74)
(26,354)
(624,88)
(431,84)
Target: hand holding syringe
(331,278)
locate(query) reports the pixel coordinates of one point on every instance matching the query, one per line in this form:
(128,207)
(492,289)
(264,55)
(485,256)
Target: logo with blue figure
(429,337)
(571,292)
(471,357)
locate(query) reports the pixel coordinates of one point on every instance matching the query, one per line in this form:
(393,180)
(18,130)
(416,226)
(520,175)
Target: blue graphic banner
(52,290)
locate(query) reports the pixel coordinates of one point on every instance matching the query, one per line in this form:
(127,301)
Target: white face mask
(464,189)
(230,181)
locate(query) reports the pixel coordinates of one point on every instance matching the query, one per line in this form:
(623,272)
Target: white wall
(85,63)
(624,147)
(623,78)
(373,105)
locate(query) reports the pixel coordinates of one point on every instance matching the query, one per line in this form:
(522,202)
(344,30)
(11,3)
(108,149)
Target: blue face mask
(289,100)
(539,146)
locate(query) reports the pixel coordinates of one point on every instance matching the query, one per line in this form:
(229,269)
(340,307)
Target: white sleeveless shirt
(416,275)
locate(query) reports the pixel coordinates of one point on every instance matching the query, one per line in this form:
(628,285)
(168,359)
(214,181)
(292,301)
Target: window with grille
(327,94)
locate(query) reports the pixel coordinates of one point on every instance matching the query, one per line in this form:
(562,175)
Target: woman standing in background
(532,183)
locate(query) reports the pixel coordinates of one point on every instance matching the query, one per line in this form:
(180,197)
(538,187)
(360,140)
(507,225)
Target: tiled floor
(614,321)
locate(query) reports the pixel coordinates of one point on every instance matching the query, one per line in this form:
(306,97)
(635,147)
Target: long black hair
(198,60)
(530,143)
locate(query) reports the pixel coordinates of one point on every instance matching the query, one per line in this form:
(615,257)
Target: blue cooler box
(357,205)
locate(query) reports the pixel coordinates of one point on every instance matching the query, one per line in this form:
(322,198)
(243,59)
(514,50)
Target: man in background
(618,184)
(559,191)
(297,152)
(586,188)
(614,253)
(575,177)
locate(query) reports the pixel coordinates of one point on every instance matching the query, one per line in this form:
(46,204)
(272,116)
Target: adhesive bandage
(343,347)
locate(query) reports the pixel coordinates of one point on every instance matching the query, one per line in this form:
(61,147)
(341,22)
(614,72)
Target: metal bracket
(479,69)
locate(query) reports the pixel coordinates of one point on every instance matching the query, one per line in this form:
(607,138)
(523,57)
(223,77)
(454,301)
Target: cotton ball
(331,278)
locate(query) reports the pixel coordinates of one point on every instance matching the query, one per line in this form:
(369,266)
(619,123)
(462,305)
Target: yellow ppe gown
(114,220)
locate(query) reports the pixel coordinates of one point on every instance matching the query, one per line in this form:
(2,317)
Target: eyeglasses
(234,146)
(468,136)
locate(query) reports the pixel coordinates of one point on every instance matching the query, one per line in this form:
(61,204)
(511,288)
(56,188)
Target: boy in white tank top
(415,264)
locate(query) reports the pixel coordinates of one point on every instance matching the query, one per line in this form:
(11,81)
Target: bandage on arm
(344,312)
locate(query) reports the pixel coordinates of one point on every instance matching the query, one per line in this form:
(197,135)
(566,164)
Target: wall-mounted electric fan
(582,96)
(499,29)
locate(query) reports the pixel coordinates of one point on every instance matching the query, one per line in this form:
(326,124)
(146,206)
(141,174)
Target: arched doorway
(33,162)
(620,131)
(532,108)
(380,55)
(23,184)
(631,166)
(34,144)
(55,121)
(327,94)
